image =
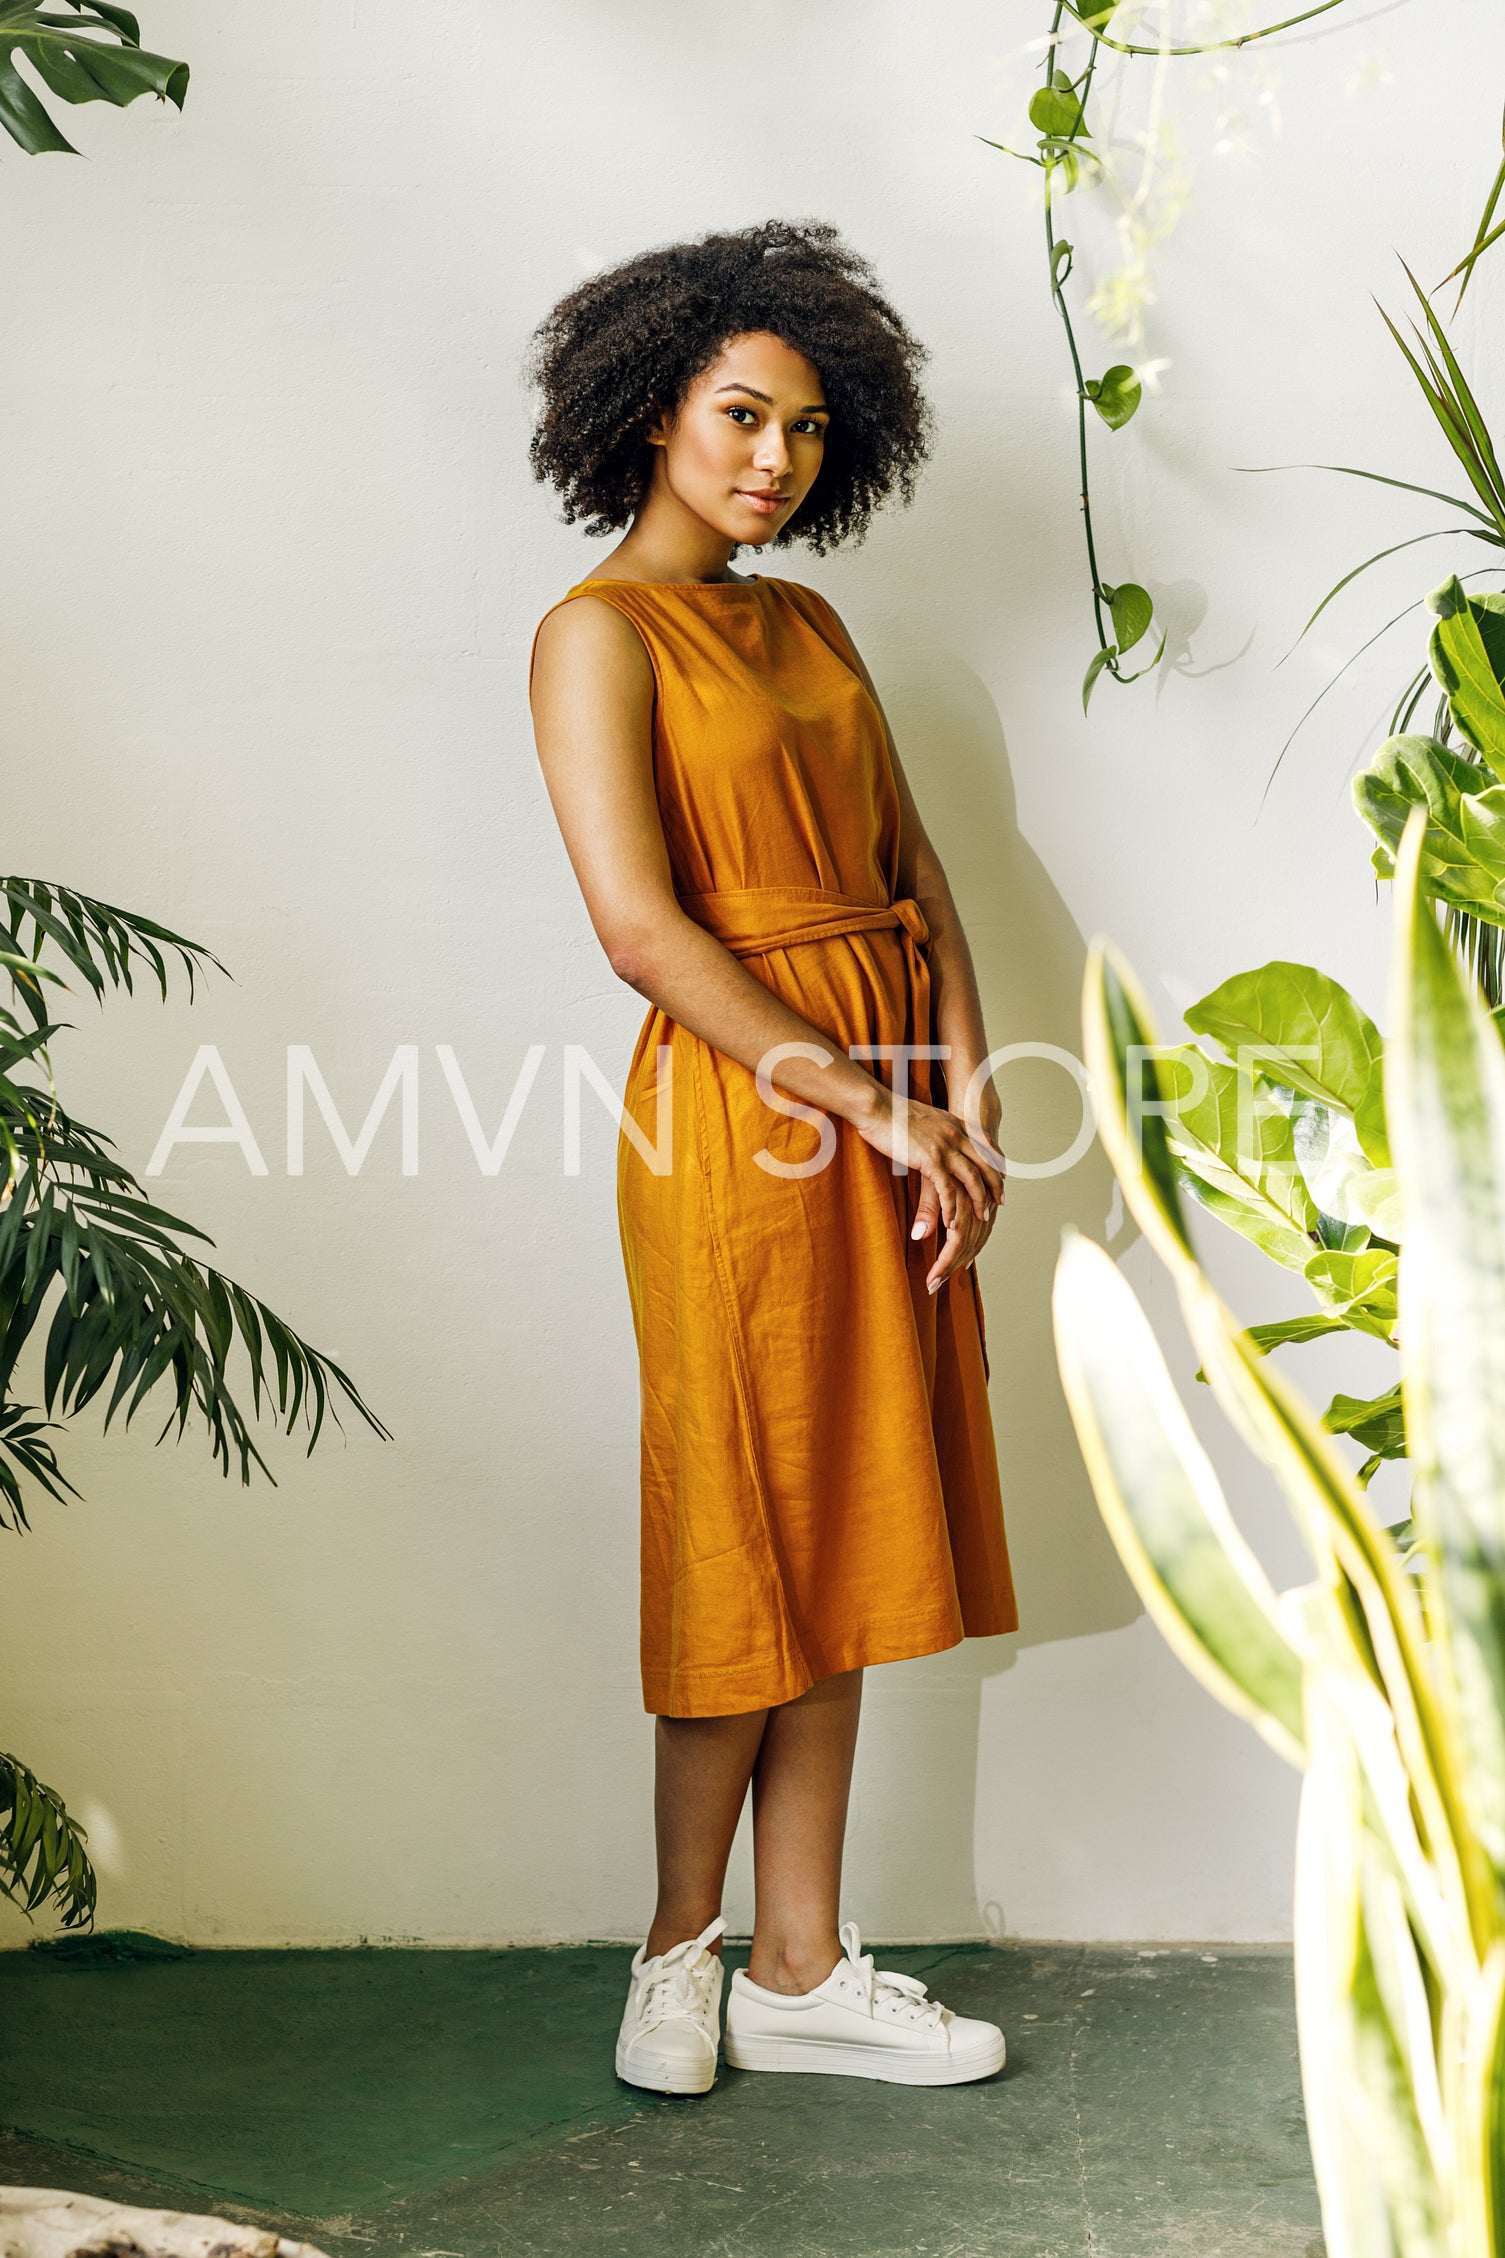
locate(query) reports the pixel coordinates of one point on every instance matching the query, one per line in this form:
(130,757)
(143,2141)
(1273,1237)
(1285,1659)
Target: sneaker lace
(679,1982)
(886,1987)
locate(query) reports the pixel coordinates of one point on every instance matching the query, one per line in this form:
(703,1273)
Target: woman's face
(746,445)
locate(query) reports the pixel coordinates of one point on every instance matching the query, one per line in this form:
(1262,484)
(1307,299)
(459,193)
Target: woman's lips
(769,504)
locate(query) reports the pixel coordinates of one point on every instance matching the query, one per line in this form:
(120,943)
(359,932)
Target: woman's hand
(959,1185)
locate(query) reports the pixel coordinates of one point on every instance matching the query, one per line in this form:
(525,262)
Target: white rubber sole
(638,2066)
(830,2058)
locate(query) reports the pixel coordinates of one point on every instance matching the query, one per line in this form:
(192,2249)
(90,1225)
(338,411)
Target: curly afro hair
(623,349)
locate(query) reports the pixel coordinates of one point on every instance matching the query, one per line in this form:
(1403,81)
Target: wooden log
(46,2222)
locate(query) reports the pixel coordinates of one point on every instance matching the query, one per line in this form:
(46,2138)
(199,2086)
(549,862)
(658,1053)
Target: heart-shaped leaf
(1132,612)
(1056,110)
(1115,394)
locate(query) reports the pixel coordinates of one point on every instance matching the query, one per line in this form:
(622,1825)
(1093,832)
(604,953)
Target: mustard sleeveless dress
(819,1479)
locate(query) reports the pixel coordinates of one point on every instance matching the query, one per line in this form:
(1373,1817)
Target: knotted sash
(751,920)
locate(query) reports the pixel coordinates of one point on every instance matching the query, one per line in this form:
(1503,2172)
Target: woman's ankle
(672,1926)
(793,1965)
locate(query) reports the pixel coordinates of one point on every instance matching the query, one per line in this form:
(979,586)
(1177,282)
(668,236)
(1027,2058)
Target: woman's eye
(809,423)
(742,412)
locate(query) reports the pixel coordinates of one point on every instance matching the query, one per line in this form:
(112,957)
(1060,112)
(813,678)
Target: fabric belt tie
(752,920)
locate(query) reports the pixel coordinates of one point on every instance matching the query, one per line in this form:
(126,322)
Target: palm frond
(42,1854)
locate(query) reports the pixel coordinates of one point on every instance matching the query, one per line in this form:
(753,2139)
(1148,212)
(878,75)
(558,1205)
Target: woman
(819,1484)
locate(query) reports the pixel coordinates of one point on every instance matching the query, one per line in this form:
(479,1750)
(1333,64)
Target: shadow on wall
(916,1790)
(1030,958)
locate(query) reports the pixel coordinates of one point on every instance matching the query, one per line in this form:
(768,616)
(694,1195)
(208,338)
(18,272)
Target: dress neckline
(615,580)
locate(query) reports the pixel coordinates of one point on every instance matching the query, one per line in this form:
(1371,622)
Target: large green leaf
(1254,1219)
(1463,848)
(1160,1498)
(1228,1131)
(1358,1287)
(1446,1084)
(1294,1025)
(1468,658)
(92,54)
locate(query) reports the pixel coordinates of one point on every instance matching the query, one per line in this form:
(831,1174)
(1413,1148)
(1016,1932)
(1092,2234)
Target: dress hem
(776,1689)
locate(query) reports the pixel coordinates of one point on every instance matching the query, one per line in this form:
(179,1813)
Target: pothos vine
(1123,612)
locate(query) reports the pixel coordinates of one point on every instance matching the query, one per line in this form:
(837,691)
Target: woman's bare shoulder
(586,635)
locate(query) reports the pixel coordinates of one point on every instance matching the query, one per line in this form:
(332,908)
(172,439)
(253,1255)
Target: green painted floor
(463,2105)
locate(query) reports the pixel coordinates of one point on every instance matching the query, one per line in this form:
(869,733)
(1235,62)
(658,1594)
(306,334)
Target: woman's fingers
(964,1238)
(974,1185)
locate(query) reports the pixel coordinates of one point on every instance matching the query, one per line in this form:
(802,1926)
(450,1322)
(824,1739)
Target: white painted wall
(273,559)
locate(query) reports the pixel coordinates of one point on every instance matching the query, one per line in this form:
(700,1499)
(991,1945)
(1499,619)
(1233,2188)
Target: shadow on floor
(463,2105)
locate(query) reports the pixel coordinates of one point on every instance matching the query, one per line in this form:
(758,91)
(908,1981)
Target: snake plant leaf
(1160,1498)
(96,58)
(1446,1078)
(1486,2073)
(1360,1288)
(1135,1097)
(1463,848)
(1115,394)
(1327,1914)
(1294,1025)
(1467,650)
(1132,613)
(1389,2051)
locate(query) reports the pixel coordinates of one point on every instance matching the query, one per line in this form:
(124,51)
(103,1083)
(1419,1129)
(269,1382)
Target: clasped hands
(963,1173)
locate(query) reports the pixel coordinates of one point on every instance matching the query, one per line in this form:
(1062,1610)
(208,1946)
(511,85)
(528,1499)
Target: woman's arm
(592,698)
(956,1006)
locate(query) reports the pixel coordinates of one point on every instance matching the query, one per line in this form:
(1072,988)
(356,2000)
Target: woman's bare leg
(801,1779)
(703,1765)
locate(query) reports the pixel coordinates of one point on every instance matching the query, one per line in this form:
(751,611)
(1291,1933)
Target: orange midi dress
(819,1479)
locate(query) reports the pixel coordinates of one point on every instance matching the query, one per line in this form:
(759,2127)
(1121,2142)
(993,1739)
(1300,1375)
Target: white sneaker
(671,2025)
(862,2022)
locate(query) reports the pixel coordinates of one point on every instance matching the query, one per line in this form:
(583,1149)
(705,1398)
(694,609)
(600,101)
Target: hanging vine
(1070,147)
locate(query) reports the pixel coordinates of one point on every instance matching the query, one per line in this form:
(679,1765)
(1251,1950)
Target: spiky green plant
(1384,1677)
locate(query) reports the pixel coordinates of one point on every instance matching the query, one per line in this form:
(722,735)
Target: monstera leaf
(90,52)
(1463,847)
